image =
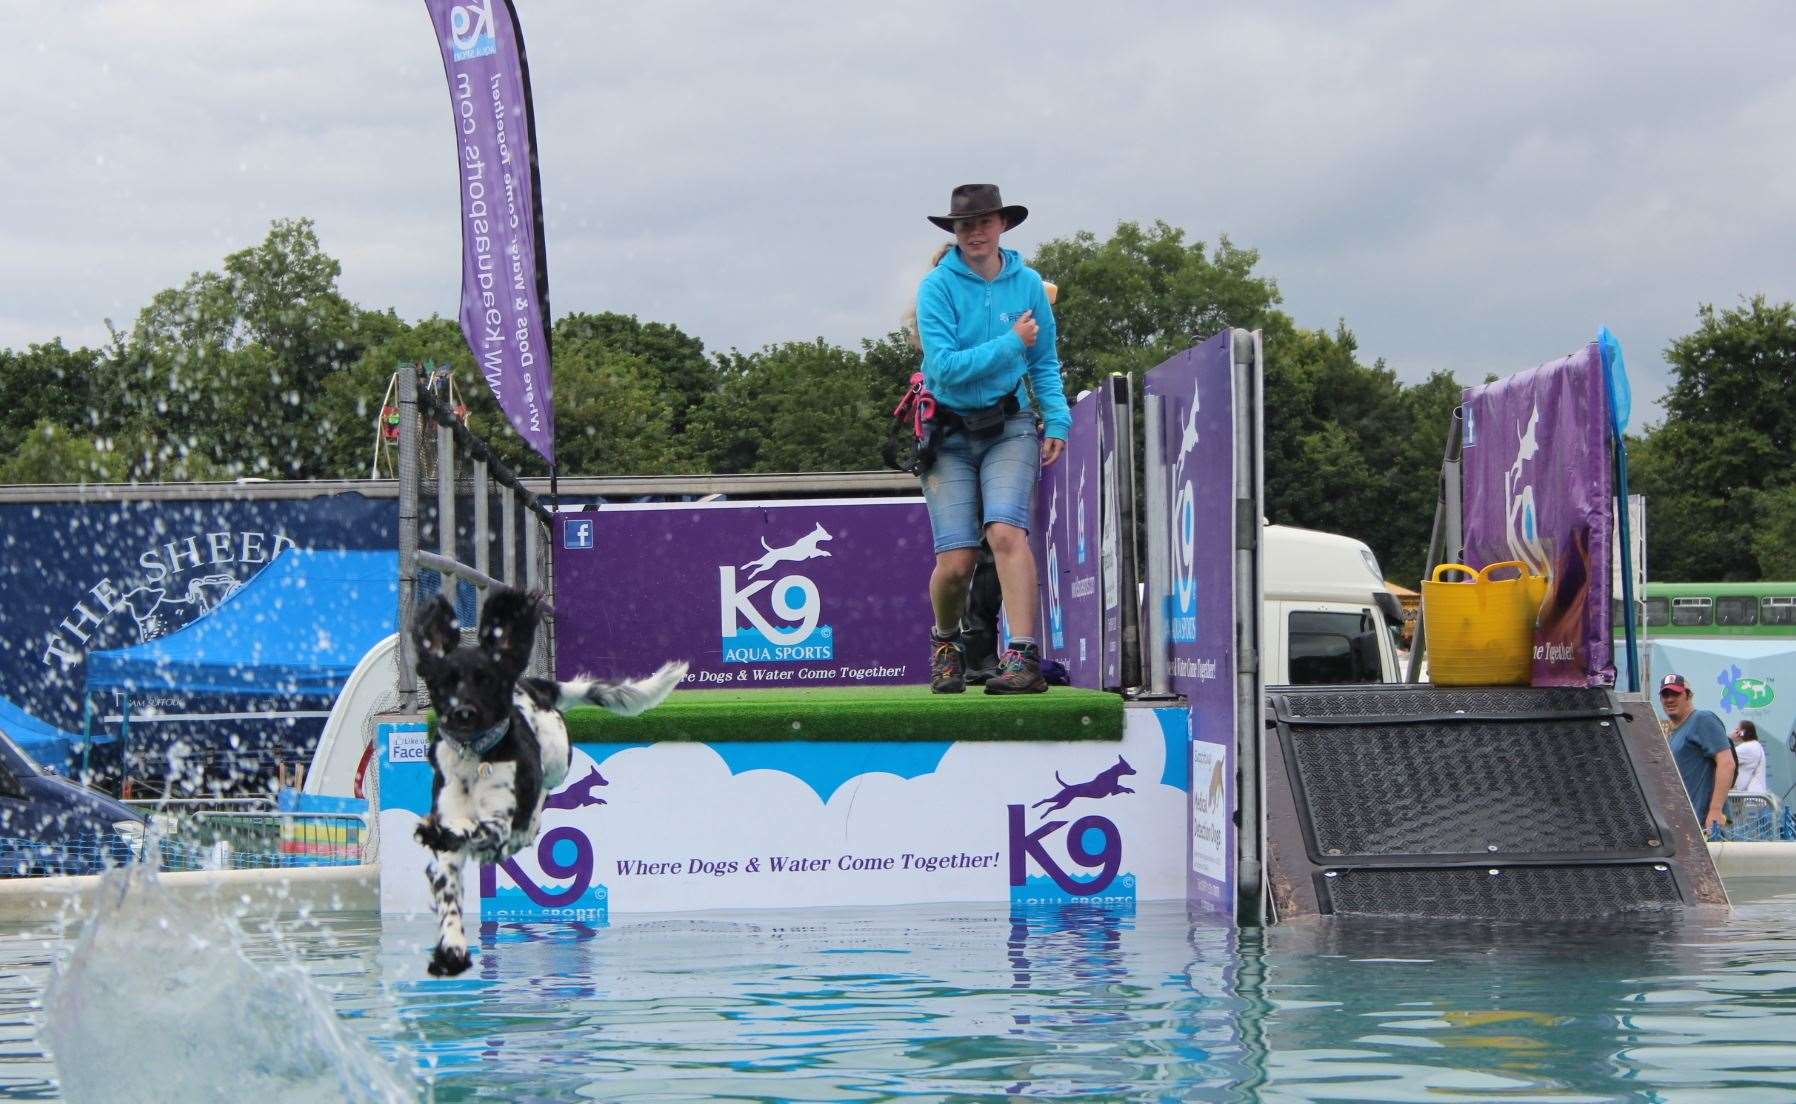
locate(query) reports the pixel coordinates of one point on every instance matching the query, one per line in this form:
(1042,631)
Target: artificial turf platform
(876,713)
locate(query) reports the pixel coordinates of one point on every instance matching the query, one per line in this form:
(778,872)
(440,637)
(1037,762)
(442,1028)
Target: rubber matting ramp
(1478,803)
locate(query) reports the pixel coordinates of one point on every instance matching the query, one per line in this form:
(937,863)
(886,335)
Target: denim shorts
(978,480)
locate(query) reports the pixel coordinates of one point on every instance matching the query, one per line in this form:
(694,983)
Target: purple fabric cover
(1539,487)
(1109,544)
(1196,389)
(1080,466)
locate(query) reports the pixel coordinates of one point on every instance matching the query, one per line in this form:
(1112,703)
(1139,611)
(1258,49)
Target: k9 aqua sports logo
(775,620)
(1182,602)
(471,29)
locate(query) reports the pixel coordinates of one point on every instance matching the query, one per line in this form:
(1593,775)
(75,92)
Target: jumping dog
(500,747)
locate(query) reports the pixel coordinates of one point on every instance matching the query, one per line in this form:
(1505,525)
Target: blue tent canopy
(41,740)
(299,626)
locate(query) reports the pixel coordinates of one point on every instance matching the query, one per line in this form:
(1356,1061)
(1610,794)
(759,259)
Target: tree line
(264,368)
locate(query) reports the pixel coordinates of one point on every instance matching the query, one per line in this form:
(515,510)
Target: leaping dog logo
(806,547)
(578,795)
(1188,431)
(1107,783)
(1522,523)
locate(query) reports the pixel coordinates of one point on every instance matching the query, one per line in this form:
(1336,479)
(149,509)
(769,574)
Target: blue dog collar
(483,741)
(487,740)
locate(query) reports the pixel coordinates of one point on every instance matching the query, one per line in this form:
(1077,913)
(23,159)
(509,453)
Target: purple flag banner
(1539,488)
(1196,391)
(1083,604)
(810,593)
(505,275)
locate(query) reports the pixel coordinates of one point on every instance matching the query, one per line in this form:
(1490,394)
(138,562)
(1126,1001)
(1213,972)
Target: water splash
(159,993)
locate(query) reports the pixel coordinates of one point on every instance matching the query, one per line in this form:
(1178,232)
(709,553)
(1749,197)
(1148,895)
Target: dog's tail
(629,697)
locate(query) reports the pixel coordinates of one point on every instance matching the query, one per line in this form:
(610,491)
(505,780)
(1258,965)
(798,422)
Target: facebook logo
(576,533)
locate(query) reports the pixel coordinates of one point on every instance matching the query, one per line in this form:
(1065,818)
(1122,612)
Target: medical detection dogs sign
(815,593)
(679,826)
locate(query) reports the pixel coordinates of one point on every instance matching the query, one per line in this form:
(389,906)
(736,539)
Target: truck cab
(1326,616)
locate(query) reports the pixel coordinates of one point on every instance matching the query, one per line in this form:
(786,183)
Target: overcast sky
(1469,187)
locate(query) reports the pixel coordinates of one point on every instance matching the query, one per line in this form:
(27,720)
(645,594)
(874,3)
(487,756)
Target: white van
(1327,617)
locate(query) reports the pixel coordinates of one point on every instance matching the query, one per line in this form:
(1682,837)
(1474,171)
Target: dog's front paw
(448,961)
(431,833)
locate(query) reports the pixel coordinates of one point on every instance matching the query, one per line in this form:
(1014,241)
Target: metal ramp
(1488,803)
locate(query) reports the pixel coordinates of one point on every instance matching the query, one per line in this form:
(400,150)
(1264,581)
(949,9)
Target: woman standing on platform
(989,359)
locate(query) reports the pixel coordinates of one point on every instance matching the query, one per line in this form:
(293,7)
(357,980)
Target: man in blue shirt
(1701,748)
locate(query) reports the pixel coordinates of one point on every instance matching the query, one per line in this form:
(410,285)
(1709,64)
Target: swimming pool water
(971,1003)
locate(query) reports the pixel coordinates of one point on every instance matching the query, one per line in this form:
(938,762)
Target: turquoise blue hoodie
(971,356)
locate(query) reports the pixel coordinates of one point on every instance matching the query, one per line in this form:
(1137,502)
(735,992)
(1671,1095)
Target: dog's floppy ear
(508,629)
(435,629)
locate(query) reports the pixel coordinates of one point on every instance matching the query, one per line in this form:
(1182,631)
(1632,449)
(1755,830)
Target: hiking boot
(1019,672)
(947,665)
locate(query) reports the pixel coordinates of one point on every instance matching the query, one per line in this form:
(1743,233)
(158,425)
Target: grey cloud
(1473,189)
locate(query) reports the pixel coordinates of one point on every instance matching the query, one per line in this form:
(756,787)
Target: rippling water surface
(970,1003)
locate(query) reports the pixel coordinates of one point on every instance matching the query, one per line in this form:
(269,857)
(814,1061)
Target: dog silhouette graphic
(1106,784)
(804,548)
(578,795)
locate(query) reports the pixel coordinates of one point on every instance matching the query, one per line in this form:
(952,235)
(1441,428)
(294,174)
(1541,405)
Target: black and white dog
(501,745)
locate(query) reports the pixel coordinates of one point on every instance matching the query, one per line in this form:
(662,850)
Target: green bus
(1718,609)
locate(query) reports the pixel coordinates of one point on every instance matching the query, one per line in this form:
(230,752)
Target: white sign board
(674,827)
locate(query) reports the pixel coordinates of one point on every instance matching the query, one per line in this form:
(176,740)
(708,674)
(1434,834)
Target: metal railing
(207,840)
(1752,817)
(524,524)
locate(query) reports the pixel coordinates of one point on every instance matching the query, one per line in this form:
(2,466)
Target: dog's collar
(486,739)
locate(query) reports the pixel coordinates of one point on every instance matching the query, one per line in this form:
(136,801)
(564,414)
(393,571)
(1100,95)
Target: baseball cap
(1673,682)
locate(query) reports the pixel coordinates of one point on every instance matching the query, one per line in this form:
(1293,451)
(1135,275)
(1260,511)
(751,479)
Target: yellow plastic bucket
(1481,631)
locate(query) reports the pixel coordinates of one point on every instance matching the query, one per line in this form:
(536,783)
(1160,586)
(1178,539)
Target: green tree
(1130,302)
(798,406)
(234,359)
(1774,535)
(46,383)
(1717,472)
(50,453)
(676,359)
(348,406)
(1348,447)
(614,414)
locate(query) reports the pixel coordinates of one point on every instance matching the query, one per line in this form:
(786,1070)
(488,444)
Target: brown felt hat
(972,200)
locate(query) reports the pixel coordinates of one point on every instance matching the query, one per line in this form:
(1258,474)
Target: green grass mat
(858,713)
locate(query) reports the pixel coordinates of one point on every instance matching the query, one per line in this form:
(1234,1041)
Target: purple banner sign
(505,275)
(1109,546)
(750,594)
(1083,603)
(1196,391)
(1052,554)
(1539,488)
